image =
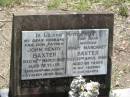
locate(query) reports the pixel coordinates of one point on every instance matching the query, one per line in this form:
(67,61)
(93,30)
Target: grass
(123,10)
(77,5)
(54,4)
(5,2)
(84,5)
(109,3)
(8,3)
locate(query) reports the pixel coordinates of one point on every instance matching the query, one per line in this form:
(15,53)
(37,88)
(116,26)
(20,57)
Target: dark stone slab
(56,87)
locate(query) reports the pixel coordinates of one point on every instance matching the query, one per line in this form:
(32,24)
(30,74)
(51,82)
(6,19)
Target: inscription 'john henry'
(61,53)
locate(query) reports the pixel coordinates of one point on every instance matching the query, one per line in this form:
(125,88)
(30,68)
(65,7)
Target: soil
(121,43)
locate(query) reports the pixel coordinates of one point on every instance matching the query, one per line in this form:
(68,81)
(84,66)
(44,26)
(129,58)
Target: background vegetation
(120,6)
(9,3)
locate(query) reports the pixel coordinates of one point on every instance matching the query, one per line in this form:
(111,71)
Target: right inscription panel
(87,51)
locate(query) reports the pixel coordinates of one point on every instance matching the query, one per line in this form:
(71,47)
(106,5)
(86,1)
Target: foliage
(54,4)
(121,6)
(5,2)
(8,3)
(82,5)
(123,10)
(78,5)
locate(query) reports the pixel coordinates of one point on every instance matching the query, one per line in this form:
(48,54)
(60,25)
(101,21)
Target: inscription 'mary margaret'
(63,53)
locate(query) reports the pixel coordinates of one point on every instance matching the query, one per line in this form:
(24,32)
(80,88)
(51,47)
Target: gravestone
(49,50)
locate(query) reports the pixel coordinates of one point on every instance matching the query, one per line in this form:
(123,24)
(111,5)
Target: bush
(123,10)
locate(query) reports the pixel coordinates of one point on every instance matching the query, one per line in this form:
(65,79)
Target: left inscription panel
(43,54)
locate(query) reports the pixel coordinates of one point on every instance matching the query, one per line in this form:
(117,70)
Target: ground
(121,43)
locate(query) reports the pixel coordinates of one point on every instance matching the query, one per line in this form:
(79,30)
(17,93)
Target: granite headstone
(49,50)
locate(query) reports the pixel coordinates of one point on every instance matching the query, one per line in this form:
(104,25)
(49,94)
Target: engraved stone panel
(41,51)
(87,51)
(63,53)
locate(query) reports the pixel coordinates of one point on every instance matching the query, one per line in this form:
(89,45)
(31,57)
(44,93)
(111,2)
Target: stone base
(114,93)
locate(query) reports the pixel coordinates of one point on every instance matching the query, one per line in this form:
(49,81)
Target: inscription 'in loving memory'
(63,53)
